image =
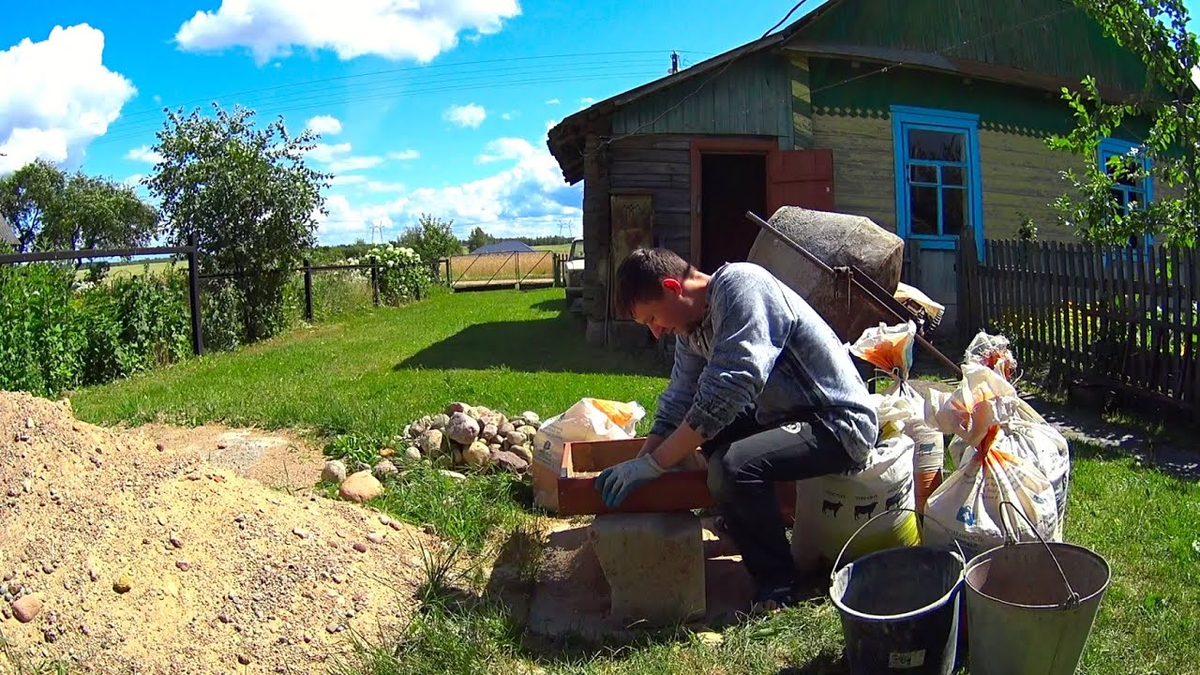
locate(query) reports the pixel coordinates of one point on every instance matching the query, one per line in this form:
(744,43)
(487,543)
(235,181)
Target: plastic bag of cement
(838,240)
(992,351)
(830,509)
(890,349)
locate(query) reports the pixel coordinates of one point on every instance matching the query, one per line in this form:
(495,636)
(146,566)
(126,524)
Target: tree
(51,211)
(478,238)
(248,197)
(29,198)
(1156,31)
(432,238)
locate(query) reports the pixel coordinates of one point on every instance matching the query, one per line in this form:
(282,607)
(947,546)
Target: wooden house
(928,116)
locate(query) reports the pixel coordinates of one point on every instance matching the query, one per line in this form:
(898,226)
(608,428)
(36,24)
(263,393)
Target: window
(938,191)
(1123,160)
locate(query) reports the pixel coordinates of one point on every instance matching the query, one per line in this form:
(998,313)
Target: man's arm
(676,400)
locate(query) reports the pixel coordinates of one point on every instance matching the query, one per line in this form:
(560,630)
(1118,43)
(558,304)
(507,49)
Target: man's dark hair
(640,276)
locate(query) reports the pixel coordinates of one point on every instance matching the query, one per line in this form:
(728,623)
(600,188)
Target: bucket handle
(1010,539)
(838,563)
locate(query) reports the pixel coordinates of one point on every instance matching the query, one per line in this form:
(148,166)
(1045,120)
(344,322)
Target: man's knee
(720,483)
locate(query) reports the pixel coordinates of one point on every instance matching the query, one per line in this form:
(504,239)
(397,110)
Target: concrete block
(654,564)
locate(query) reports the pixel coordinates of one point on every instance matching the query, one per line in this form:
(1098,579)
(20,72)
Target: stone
(509,461)
(431,443)
(524,452)
(495,447)
(515,438)
(488,433)
(160,446)
(387,452)
(360,547)
(529,432)
(463,429)
(417,428)
(412,453)
(439,421)
(531,417)
(375,537)
(654,563)
(183,565)
(452,474)
(26,608)
(123,584)
(303,534)
(505,429)
(361,487)
(334,471)
(477,455)
(386,468)
(487,416)
(243,659)
(456,407)
(175,541)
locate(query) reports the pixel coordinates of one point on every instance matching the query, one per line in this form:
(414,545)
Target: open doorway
(729,178)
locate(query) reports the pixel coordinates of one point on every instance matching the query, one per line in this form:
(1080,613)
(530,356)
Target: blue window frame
(1130,192)
(938,185)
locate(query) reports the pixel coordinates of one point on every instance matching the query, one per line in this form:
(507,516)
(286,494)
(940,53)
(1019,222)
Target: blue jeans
(744,461)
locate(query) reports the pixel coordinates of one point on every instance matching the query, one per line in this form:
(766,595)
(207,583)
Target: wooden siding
(863,170)
(752,97)
(662,167)
(1022,176)
(1050,37)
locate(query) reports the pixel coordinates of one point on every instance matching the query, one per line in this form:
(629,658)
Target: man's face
(670,313)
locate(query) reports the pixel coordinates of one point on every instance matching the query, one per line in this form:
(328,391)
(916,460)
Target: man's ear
(673,285)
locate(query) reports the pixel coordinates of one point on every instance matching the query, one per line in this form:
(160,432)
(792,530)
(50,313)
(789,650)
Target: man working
(760,383)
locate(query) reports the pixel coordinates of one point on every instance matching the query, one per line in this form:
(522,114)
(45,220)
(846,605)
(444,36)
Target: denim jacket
(762,345)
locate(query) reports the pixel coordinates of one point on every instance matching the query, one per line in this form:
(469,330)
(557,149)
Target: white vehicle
(573,273)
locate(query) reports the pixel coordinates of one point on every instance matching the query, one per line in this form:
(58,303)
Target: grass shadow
(827,662)
(545,345)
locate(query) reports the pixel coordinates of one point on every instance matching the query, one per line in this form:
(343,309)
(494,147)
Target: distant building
(508,246)
(6,233)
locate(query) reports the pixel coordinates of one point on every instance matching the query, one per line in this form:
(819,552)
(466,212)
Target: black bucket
(900,610)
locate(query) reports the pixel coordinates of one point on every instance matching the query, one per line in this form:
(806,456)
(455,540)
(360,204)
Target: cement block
(654,564)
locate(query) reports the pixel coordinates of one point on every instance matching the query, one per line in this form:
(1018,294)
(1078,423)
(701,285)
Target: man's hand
(616,482)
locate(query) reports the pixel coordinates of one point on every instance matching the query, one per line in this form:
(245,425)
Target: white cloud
(469,115)
(325,153)
(528,197)
(404,155)
(348,179)
(133,181)
(326,125)
(157,99)
(355,163)
(143,153)
(1196,75)
(506,148)
(56,97)
(587,100)
(508,116)
(553,101)
(383,186)
(392,29)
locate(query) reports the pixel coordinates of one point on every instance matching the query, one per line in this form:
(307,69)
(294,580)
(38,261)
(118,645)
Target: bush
(403,277)
(60,333)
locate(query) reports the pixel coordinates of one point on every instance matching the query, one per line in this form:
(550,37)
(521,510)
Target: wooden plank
(1192,294)
(1092,271)
(1175,360)
(1043,290)
(1015,307)
(1137,278)
(1070,305)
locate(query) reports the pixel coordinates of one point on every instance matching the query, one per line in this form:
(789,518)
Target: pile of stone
(474,436)
(461,437)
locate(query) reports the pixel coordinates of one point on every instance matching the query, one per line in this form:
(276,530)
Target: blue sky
(424,106)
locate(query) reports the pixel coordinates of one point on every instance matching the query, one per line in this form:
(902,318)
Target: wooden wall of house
(1021,176)
(661,166)
(863,170)
(750,97)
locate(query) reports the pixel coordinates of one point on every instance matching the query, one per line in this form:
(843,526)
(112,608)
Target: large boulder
(477,455)
(361,487)
(430,443)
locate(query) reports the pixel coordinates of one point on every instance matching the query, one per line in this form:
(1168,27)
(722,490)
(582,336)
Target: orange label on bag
(618,412)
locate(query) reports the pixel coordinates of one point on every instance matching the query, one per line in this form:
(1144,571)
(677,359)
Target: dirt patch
(152,551)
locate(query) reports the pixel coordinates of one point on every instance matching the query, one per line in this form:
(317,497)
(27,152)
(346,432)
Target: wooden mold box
(582,462)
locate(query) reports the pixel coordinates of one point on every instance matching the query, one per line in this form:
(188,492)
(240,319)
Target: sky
(423,106)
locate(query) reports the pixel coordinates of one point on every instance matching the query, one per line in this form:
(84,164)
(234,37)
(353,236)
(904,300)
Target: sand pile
(142,556)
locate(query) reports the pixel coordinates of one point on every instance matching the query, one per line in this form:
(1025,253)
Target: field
(564,249)
(501,267)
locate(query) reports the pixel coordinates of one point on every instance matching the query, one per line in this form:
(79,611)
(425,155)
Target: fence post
(375,279)
(194,296)
(308,303)
(557,269)
(517,268)
(449,284)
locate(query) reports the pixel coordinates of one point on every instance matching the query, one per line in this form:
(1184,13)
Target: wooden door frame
(719,146)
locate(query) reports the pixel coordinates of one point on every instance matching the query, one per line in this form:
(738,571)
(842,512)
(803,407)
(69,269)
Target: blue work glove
(616,482)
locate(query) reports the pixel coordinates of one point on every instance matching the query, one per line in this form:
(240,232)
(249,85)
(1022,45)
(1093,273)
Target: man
(761,384)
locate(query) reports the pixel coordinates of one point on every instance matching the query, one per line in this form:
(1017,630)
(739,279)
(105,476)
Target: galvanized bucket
(899,608)
(1031,605)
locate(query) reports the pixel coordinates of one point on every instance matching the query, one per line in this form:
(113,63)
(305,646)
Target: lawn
(373,372)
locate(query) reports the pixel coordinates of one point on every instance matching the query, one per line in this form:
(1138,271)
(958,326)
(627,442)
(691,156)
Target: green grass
(557,248)
(376,371)
(373,372)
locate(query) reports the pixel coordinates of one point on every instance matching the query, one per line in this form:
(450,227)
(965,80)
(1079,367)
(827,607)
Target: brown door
(800,178)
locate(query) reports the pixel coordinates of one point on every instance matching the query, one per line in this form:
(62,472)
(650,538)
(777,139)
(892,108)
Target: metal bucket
(1031,605)
(899,609)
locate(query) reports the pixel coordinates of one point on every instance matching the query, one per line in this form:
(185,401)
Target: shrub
(39,346)
(403,277)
